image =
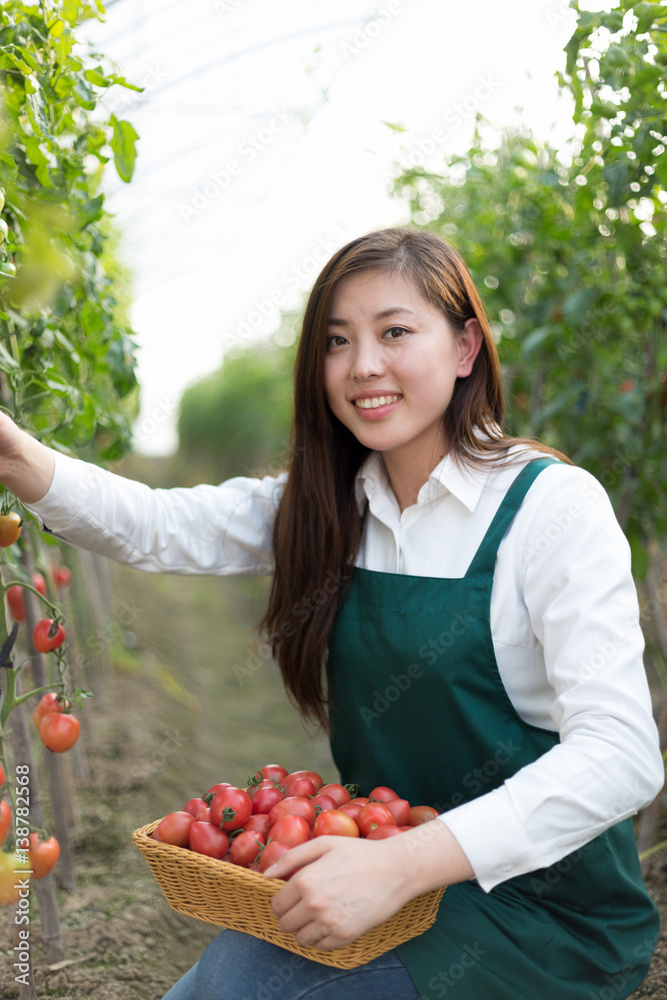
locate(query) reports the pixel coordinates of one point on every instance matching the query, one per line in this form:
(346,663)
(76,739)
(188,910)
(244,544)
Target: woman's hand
(348,886)
(26,466)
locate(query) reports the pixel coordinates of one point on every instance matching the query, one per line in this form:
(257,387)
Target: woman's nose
(367,362)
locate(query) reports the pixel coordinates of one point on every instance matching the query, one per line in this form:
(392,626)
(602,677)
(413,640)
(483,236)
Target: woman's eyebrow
(390,311)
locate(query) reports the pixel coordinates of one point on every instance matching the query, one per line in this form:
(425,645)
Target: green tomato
(4,229)
(2,199)
(7,268)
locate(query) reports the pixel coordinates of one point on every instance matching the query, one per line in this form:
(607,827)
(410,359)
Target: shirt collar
(466,484)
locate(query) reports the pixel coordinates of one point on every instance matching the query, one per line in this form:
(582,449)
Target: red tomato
(43,855)
(49,702)
(336,823)
(16,603)
(265,783)
(299,786)
(260,824)
(2,775)
(62,576)
(382,794)
(338,793)
(156,836)
(359,800)
(203,816)
(47,635)
(39,583)
(193,806)
(265,799)
(322,802)
(271,853)
(290,830)
(314,777)
(245,848)
(400,810)
(351,809)
(373,815)
(296,806)
(59,732)
(382,832)
(422,814)
(175,829)
(230,808)
(275,772)
(214,789)
(204,838)
(5,818)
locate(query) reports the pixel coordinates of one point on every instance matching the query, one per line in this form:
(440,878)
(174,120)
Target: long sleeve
(573,564)
(215,530)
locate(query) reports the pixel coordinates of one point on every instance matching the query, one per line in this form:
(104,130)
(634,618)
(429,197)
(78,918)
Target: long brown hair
(318,526)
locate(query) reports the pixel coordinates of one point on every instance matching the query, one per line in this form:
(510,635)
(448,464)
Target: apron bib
(418,703)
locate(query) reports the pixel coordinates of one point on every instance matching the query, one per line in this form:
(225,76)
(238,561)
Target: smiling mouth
(372,402)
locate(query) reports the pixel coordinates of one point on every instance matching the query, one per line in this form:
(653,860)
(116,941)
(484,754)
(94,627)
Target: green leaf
(84,95)
(96,76)
(394,126)
(534,340)
(90,211)
(123,144)
(639,553)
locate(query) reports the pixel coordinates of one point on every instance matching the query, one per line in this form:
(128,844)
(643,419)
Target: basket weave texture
(233,897)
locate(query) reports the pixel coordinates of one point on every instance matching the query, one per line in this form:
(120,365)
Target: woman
(484,655)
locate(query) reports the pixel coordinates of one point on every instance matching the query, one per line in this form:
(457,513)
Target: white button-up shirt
(564,619)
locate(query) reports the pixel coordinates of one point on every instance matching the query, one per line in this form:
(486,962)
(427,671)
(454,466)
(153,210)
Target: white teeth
(375,401)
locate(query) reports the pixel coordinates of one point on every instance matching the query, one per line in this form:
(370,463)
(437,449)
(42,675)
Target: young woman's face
(391,363)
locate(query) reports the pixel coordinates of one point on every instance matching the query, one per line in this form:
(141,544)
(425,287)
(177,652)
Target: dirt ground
(178,715)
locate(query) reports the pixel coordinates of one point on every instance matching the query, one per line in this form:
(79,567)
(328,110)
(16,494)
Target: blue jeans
(238,966)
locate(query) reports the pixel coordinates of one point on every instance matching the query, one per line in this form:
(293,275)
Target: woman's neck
(408,473)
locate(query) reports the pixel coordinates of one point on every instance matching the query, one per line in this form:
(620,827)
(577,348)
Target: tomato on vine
(43,855)
(49,702)
(5,818)
(12,865)
(59,732)
(10,528)
(62,576)
(16,602)
(39,583)
(48,635)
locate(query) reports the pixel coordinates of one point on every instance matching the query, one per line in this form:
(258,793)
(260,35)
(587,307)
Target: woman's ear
(469,343)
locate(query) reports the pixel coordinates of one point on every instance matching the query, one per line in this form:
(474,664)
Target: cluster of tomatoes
(58,729)
(253,826)
(35,862)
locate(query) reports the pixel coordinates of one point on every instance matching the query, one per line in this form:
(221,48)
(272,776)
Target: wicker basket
(224,894)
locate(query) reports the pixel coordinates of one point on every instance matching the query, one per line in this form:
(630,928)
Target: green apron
(417,703)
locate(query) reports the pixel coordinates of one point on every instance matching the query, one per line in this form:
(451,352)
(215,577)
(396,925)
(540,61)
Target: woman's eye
(395,332)
(335,341)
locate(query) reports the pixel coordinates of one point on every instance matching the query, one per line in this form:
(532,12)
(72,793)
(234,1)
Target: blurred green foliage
(569,247)
(66,350)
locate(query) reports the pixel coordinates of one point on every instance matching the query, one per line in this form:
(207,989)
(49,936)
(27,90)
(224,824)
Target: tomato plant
(10,528)
(48,635)
(43,855)
(59,732)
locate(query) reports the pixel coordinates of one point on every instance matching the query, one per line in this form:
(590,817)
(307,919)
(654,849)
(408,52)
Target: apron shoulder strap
(485,557)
